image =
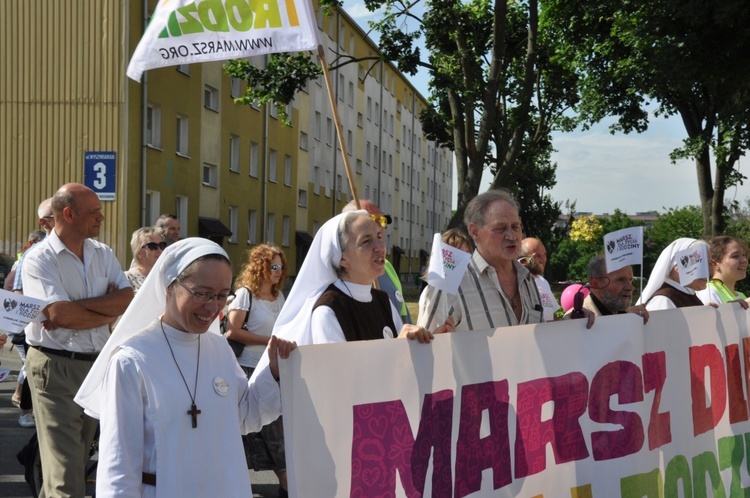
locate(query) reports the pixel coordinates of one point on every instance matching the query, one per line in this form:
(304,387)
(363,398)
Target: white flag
(188,31)
(447,266)
(692,264)
(623,248)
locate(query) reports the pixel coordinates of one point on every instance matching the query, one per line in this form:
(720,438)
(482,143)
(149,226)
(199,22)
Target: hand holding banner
(447,266)
(623,248)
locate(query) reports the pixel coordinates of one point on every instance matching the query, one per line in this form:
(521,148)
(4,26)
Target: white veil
(317,273)
(147,305)
(663,267)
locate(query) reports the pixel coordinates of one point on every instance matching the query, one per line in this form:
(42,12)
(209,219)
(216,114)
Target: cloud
(357,11)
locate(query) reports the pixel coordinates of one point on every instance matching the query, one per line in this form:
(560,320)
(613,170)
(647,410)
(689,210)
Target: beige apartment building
(177,143)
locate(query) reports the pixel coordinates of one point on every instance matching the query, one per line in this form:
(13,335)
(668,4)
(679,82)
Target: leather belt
(73,355)
(149,479)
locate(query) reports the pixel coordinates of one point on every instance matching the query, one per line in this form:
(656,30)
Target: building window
(234,216)
(342,87)
(252,227)
(359,119)
(153,126)
(369,108)
(272,165)
(236,88)
(329,131)
(377,113)
(288,170)
(349,141)
(273,111)
(339,182)
(286,225)
(211,98)
(316,180)
(302,198)
(328,186)
(182,135)
(317,125)
(153,202)
(234,153)
(271,228)
(210,175)
(351,94)
(181,211)
(184,69)
(359,166)
(367,153)
(303,140)
(254,159)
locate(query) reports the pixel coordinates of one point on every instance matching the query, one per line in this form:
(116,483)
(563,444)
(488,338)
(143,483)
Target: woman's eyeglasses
(277,267)
(153,246)
(204,297)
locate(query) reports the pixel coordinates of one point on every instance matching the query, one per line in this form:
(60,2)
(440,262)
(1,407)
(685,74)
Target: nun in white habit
(664,290)
(171,399)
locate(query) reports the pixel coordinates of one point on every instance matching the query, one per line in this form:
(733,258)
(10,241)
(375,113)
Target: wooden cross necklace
(193,411)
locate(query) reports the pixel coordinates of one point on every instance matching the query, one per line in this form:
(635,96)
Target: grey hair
(344,231)
(37,236)
(597,267)
(140,235)
(475,209)
(45,208)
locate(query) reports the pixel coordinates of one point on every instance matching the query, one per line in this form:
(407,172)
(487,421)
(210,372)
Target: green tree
(687,56)
(493,83)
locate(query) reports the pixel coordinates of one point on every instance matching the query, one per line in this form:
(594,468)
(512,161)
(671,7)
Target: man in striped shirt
(496,290)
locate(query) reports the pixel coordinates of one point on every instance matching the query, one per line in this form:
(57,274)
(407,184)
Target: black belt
(73,355)
(148,478)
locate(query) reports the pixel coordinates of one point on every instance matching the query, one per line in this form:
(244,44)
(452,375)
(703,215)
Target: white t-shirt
(263,315)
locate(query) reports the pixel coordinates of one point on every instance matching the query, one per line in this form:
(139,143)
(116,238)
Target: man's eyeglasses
(382,219)
(277,267)
(204,297)
(153,246)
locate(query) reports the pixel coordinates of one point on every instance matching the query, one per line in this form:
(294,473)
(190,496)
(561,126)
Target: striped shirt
(481,303)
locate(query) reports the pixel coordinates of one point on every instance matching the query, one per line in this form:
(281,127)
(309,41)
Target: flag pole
(337,123)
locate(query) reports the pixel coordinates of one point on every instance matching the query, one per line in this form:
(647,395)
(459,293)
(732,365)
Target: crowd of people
(128,351)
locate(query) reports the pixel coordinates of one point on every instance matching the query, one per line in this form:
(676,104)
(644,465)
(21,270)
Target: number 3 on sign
(100,169)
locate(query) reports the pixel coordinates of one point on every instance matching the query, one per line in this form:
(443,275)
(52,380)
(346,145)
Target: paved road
(13,438)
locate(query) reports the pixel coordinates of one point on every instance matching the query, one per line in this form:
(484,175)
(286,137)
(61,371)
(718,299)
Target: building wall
(62,93)
(219,167)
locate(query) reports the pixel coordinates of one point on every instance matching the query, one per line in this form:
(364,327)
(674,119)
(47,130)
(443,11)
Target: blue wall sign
(99,173)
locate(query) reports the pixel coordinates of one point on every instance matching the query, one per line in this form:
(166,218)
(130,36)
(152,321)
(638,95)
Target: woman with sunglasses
(252,314)
(147,244)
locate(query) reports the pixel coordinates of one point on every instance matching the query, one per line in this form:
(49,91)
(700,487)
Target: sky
(603,172)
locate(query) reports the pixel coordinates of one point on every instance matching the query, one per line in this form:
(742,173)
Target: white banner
(551,410)
(188,31)
(18,311)
(623,248)
(692,264)
(447,266)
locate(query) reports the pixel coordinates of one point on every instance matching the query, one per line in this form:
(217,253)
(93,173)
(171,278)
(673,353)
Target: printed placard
(623,248)
(447,266)
(19,310)
(692,264)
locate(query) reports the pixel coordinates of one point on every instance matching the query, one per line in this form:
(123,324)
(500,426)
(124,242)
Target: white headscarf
(147,305)
(664,266)
(317,273)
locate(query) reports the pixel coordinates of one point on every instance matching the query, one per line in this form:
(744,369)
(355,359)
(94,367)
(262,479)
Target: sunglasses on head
(153,246)
(276,267)
(382,219)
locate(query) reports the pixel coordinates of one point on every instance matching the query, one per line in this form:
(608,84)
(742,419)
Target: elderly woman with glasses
(252,314)
(147,244)
(171,398)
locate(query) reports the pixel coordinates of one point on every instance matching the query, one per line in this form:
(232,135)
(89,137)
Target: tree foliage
(687,56)
(496,91)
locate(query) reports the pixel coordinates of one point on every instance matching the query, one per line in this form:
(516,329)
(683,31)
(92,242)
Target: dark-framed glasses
(276,267)
(153,246)
(204,297)
(381,219)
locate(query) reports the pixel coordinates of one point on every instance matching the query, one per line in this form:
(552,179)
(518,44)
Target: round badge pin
(221,386)
(387,332)
(399,297)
